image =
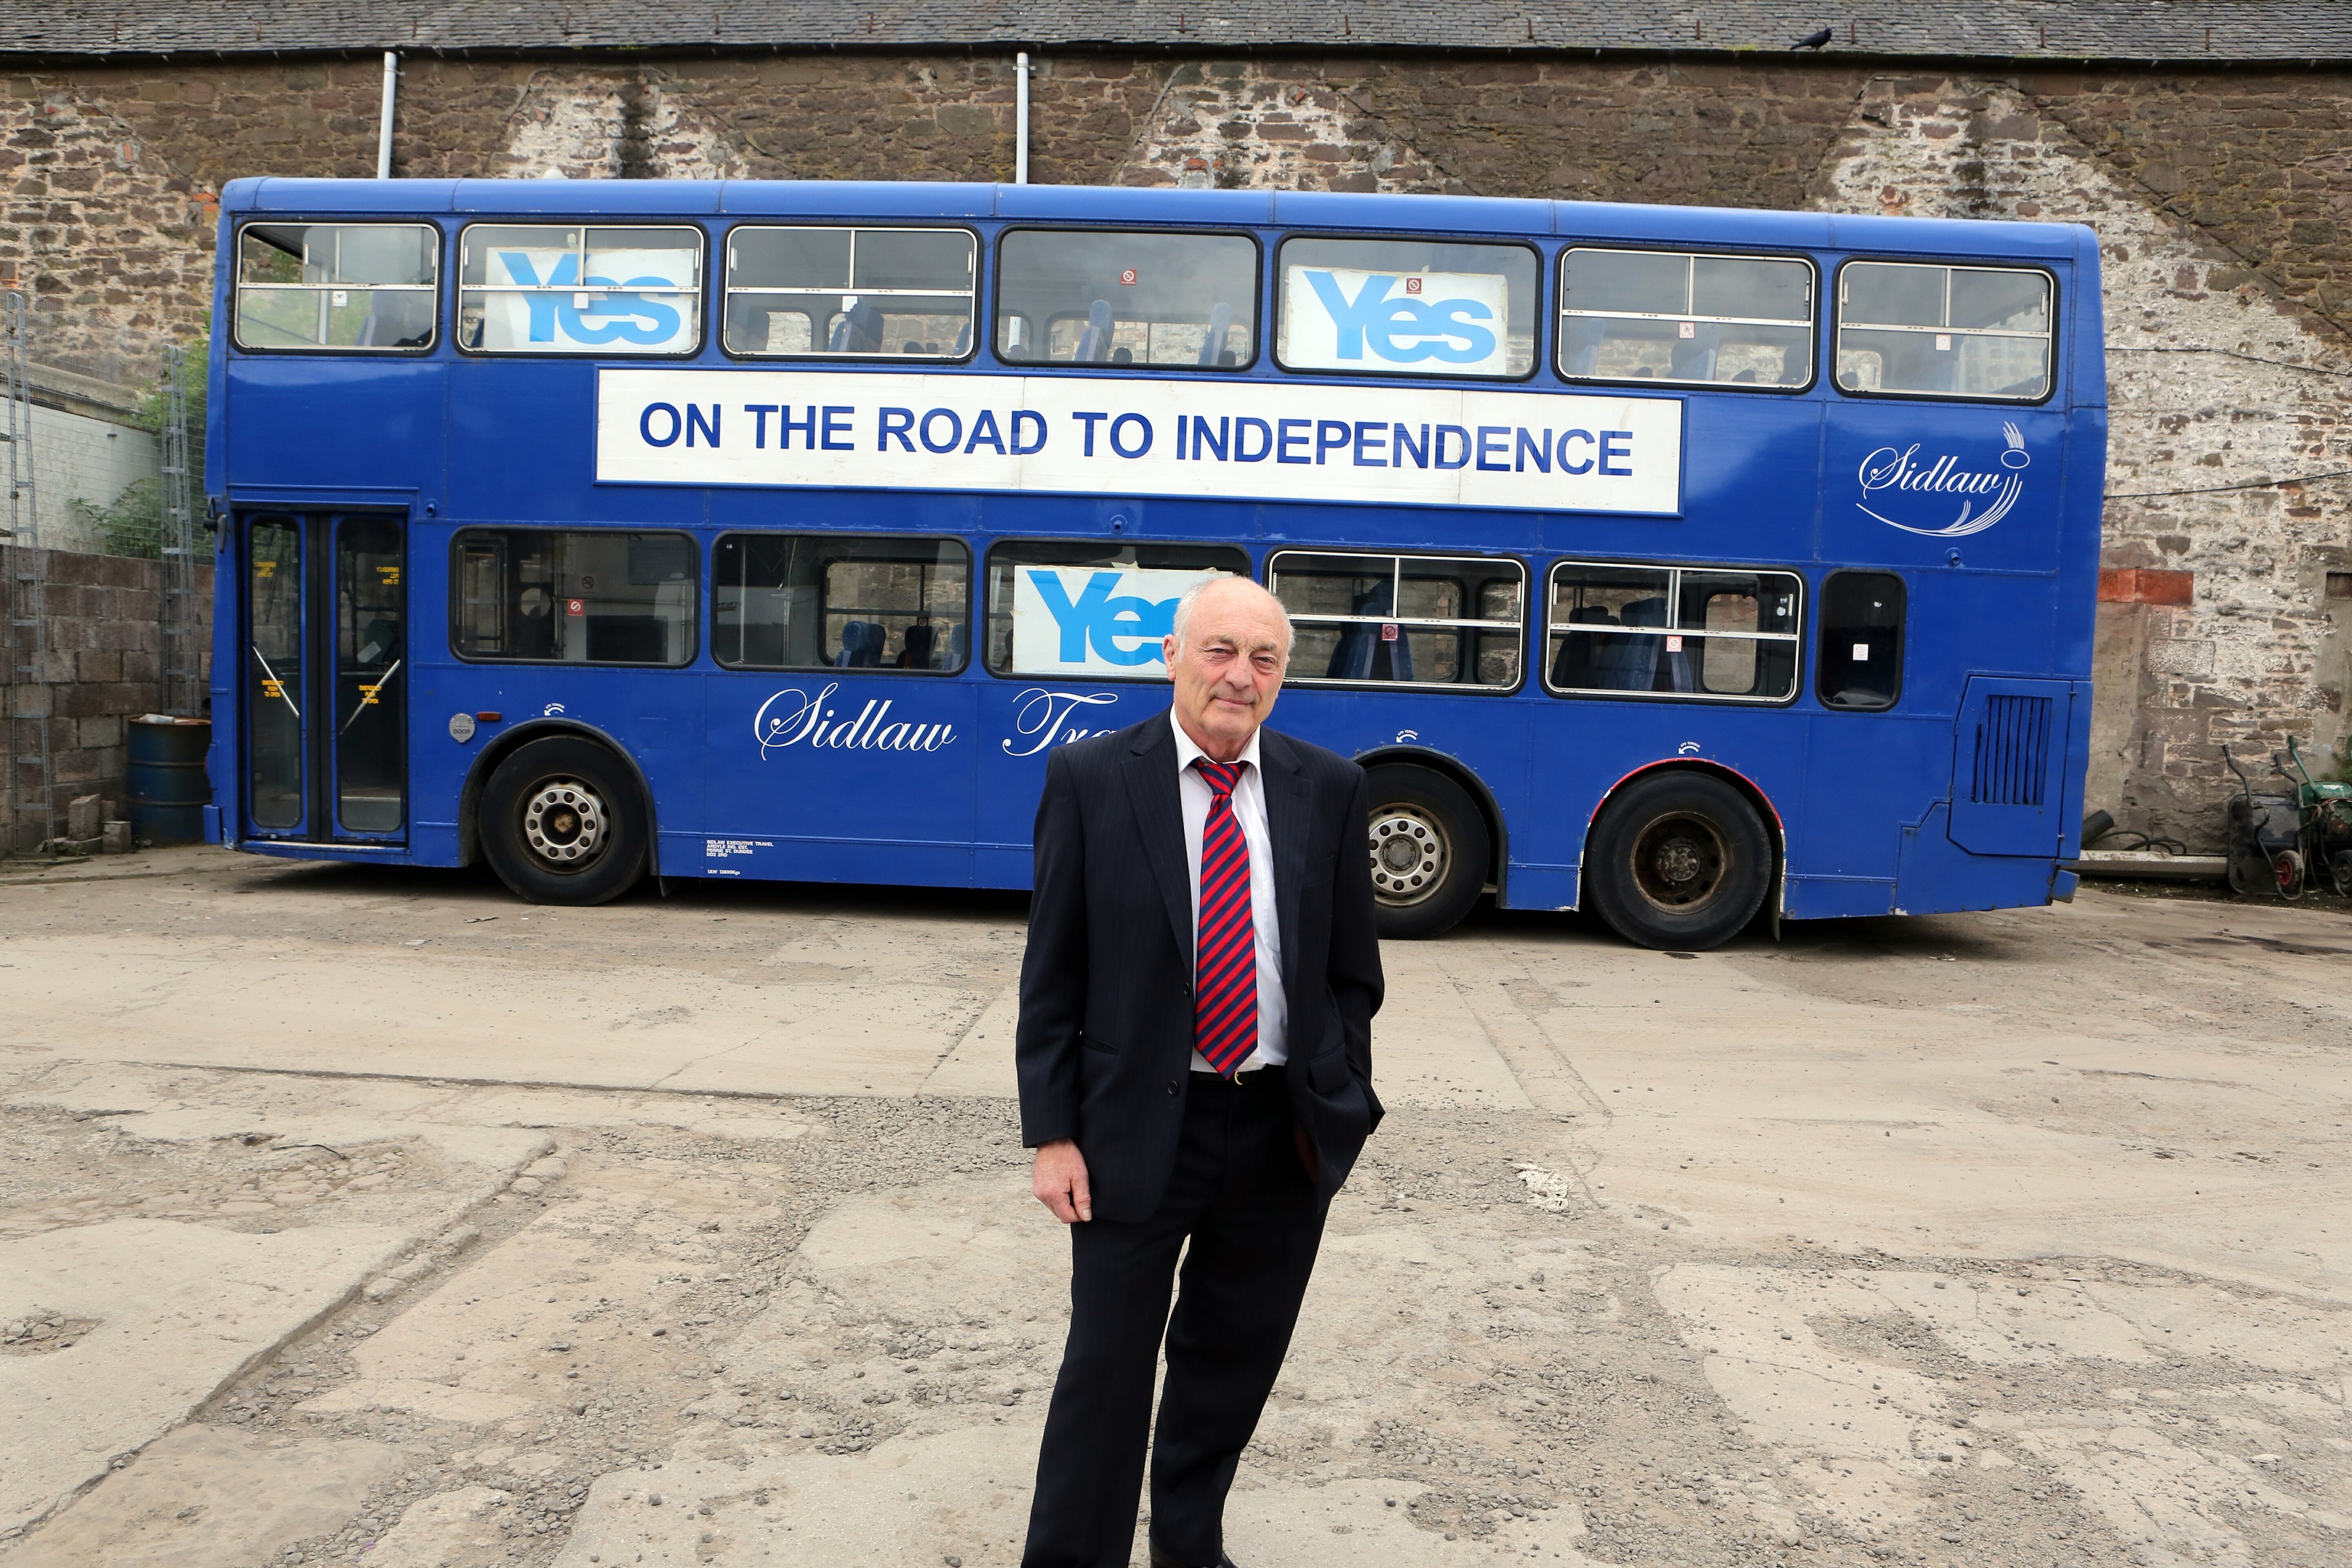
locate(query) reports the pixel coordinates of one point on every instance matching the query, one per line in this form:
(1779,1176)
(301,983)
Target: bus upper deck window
(574,289)
(1654,315)
(1422,620)
(811,601)
(1944,331)
(342,286)
(1406,307)
(573,596)
(1861,641)
(1106,296)
(1693,632)
(850,292)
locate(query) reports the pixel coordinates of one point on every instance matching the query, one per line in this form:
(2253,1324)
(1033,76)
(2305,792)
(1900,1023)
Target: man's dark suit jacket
(1105,1042)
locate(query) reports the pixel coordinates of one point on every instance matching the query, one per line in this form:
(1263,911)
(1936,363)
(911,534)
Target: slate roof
(2178,31)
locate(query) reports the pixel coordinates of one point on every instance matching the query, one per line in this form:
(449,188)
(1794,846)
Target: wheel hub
(565,823)
(1409,855)
(1679,861)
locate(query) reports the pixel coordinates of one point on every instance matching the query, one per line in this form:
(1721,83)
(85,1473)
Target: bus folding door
(324,751)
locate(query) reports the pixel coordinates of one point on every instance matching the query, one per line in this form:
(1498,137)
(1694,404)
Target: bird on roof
(1813,40)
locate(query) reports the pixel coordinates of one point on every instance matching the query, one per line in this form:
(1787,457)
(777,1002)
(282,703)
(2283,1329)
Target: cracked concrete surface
(694,1230)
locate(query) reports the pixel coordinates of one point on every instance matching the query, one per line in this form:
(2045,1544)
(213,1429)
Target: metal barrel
(168,787)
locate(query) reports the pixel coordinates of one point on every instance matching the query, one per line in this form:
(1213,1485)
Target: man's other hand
(1059,1180)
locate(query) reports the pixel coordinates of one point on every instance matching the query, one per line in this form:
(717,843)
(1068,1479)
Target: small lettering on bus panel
(1452,447)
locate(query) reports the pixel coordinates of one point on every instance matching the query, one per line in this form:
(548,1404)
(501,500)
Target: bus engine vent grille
(2012,752)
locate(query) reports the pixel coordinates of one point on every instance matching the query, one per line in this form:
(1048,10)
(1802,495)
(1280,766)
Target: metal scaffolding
(183,669)
(31,778)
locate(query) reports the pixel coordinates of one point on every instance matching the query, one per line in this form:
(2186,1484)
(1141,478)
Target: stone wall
(2223,199)
(104,668)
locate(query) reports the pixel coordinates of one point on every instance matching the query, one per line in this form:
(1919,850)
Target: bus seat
(1094,344)
(397,321)
(964,340)
(861,645)
(1693,357)
(916,654)
(959,644)
(1578,656)
(1221,318)
(859,331)
(1362,654)
(1580,343)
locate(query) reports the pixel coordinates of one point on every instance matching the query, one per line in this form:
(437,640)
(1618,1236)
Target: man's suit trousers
(1241,1197)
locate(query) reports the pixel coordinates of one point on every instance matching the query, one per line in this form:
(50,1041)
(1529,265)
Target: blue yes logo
(1100,620)
(606,318)
(1400,318)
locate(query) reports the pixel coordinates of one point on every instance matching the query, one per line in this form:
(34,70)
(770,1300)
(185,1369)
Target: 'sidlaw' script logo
(792,718)
(1903,489)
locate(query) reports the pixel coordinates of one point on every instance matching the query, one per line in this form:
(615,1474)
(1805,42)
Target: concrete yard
(373,1217)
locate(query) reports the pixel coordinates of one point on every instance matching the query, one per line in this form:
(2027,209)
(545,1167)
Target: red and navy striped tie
(1224,993)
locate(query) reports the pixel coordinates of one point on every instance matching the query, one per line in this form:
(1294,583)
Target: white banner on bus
(1337,318)
(1240,440)
(1094,620)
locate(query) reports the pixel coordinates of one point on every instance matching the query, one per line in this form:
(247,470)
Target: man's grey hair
(1193,594)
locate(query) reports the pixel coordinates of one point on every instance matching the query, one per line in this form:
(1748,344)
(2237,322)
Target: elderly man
(1195,1062)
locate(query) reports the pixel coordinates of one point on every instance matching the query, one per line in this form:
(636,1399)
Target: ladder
(183,669)
(30,813)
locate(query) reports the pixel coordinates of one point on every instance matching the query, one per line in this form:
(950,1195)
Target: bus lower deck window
(1722,633)
(1860,666)
(824,292)
(1653,315)
(1421,620)
(579,289)
(1070,607)
(811,601)
(1113,296)
(572,597)
(343,286)
(1944,331)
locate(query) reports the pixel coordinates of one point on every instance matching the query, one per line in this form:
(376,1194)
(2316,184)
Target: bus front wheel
(1679,860)
(1429,851)
(561,823)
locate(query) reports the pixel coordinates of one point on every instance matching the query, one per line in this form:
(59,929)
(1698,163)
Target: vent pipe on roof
(1021,119)
(384,127)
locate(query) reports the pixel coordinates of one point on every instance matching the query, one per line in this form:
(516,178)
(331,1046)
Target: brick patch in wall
(2141,585)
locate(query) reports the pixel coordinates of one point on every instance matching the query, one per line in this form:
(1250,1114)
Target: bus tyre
(1429,849)
(1679,860)
(561,823)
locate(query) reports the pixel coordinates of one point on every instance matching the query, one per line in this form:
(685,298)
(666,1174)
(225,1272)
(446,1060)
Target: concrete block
(99,734)
(82,818)
(116,838)
(98,664)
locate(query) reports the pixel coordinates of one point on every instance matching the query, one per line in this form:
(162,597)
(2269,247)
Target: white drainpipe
(384,127)
(1021,118)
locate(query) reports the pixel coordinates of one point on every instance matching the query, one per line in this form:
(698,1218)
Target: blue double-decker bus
(1687,566)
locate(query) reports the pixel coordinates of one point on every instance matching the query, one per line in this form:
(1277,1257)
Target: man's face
(1228,670)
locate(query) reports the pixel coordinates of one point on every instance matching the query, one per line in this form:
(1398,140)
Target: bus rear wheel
(1429,849)
(1679,860)
(561,823)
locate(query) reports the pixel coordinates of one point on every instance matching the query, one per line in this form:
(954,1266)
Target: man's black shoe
(1163,1558)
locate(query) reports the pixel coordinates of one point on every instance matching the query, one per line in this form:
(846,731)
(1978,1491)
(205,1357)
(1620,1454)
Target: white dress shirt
(1249,811)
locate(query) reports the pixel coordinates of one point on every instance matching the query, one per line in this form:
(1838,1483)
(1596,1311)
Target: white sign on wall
(1094,620)
(1337,318)
(1241,440)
